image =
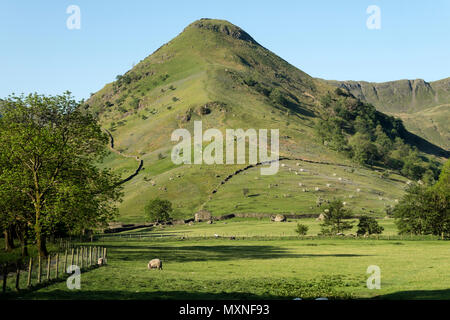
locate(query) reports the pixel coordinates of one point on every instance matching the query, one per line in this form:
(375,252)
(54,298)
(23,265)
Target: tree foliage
(49,178)
(301,229)
(370,137)
(425,209)
(334,216)
(368,225)
(158,210)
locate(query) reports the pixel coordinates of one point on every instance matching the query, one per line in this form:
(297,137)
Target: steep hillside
(423,106)
(215,72)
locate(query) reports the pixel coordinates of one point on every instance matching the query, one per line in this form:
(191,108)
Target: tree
(158,210)
(363,151)
(301,229)
(368,225)
(51,147)
(334,217)
(424,210)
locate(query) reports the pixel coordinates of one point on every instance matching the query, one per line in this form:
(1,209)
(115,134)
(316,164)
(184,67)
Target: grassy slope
(431,123)
(421,105)
(201,66)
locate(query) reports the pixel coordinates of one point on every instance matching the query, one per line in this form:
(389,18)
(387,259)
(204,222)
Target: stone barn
(202,215)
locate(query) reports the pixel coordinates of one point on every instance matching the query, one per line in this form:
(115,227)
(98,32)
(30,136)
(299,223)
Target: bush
(368,225)
(245,192)
(301,229)
(158,210)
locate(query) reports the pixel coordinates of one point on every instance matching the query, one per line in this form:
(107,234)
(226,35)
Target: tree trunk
(41,245)
(24,244)
(22,235)
(9,240)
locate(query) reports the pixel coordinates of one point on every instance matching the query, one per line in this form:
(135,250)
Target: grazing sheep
(155,264)
(358,190)
(216,235)
(328,185)
(101,262)
(317,188)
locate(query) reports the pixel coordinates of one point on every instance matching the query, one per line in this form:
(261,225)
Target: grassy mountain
(423,106)
(215,72)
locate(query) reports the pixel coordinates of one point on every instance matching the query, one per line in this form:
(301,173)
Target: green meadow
(257,265)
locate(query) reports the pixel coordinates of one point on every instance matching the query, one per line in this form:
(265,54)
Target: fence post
(71,258)
(82,252)
(57,265)
(30,271)
(90,256)
(5,276)
(65,261)
(39,269)
(17,276)
(49,261)
(104,254)
(78,256)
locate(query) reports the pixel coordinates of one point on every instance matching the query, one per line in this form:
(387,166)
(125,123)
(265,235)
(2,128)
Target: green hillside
(423,106)
(215,72)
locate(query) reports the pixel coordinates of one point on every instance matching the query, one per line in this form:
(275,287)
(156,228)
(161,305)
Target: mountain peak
(223,27)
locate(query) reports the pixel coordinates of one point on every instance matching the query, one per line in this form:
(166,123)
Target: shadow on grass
(209,253)
(416,295)
(155,295)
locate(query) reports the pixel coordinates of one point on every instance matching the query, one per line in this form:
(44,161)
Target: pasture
(258,267)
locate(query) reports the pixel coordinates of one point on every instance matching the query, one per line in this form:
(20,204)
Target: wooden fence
(42,271)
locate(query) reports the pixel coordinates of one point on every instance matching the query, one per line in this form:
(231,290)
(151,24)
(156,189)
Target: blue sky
(326,39)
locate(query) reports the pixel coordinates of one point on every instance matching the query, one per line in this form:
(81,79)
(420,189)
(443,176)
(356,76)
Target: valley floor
(259,267)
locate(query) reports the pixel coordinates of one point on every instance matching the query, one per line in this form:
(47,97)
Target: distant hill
(215,72)
(423,106)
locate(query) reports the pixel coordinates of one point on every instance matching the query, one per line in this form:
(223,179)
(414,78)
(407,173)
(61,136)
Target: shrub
(245,192)
(301,229)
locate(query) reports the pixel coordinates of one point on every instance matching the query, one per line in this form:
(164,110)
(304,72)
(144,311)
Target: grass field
(255,268)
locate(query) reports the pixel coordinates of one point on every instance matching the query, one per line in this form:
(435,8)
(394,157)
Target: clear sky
(326,39)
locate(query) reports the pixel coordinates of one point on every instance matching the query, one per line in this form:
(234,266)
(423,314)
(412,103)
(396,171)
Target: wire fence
(33,273)
(243,236)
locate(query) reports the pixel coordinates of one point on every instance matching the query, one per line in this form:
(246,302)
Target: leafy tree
(363,151)
(368,225)
(301,229)
(424,210)
(51,148)
(158,210)
(334,217)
